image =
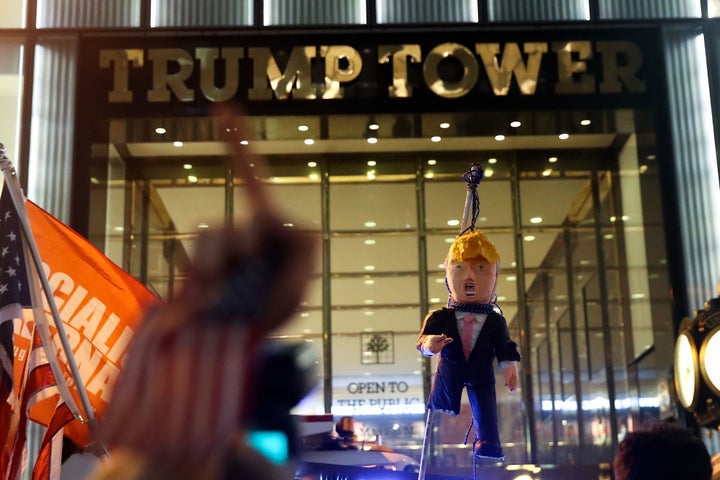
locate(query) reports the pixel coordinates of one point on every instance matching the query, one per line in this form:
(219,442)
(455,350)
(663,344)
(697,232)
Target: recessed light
(585,122)
(370,174)
(160,130)
(453,223)
(482,219)
(492,160)
(373,126)
(435,300)
(547,172)
(429,175)
(444,125)
(529,238)
(312,164)
(435,138)
(372,140)
(244,142)
(303,128)
(449,240)
(369,281)
(552,159)
(178,144)
(500,137)
(370,224)
(515,123)
(371,163)
(187,166)
(309,141)
(119,229)
(369,268)
(432,161)
(510,278)
(288,225)
(536,220)
(203,225)
(370,241)
(643,168)
(192,179)
(563,136)
(314,176)
(489,172)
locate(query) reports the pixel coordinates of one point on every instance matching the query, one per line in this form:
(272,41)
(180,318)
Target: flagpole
(11,182)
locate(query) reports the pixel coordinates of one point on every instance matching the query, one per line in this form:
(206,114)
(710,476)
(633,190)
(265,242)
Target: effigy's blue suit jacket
(477,373)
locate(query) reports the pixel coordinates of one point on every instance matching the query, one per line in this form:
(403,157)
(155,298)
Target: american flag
(14,292)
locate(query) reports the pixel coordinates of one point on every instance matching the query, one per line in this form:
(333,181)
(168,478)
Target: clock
(687,371)
(710,360)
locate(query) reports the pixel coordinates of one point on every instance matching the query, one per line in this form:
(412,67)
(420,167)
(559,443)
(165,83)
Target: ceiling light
(515,123)
(585,122)
(369,302)
(368,313)
(369,268)
(453,223)
(372,140)
(303,128)
(370,241)
(203,225)
(650,157)
(369,281)
(482,219)
(547,172)
(643,168)
(160,130)
(432,161)
(309,141)
(312,164)
(288,225)
(500,137)
(489,172)
(536,220)
(370,174)
(510,278)
(529,238)
(552,159)
(613,218)
(444,125)
(187,166)
(608,236)
(119,229)
(192,179)
(373,126)
(314,176)
(563,136)
(492,161)
(244,142)
(449,240)
(371,163)
(370,224)
(435,138)
(178,143)
(431,175)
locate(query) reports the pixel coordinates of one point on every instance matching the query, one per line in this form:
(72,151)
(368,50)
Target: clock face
(710,360)
(687,374)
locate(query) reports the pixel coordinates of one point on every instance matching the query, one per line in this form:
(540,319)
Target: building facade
(594,122)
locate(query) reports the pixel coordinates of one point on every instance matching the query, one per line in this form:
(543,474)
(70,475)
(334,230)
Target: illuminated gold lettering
(163,81)
(296,78)
(568,68)
(335,74)
(500,73)
(208,82)
(400,55)
(445,88)
(120,61)
(614,75)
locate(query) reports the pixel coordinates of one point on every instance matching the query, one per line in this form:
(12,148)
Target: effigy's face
(471,281)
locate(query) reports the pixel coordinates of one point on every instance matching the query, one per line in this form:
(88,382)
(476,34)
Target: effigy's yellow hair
(472,245)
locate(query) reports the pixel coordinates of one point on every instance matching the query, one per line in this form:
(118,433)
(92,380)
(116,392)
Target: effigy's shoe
(491,452)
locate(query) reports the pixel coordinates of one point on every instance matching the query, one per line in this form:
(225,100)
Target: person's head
(471,268)
(663,453)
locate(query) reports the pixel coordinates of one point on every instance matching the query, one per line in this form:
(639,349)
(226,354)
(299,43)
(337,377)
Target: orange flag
(100,306)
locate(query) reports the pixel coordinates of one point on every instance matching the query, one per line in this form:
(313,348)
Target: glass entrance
(571,200)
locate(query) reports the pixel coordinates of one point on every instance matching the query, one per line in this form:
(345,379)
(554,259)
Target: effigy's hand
(511,377)
(434,343)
